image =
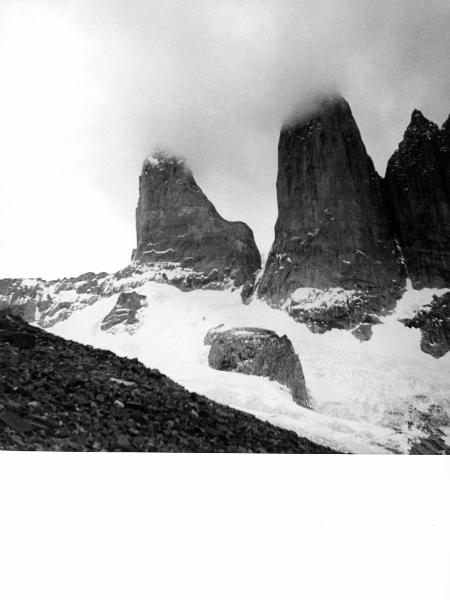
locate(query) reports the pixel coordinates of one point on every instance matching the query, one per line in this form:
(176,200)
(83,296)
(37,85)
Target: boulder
(363,332)
(255,351)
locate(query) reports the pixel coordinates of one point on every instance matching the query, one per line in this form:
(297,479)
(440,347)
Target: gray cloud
(215,80)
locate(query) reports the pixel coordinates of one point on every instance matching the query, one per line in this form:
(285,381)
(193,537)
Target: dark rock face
(125,312)
(333,230)
(434,323)
(177,224)
(61,395)
(255,351)
(418,182)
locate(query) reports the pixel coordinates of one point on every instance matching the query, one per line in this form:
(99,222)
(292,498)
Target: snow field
(362,393)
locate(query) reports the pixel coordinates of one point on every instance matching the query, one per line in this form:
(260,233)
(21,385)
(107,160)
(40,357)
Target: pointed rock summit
(333,233)
(418,182)
(178,226)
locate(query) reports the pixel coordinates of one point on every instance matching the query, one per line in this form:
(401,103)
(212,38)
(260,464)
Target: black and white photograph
(225,229)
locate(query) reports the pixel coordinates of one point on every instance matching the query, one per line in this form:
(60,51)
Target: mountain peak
(177,226)
(330,100)
(417,115)
(333,229)
(161,160)
(417,179)
(419,124)
(315,107)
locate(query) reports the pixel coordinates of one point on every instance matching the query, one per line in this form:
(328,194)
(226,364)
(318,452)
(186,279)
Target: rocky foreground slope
(60,395)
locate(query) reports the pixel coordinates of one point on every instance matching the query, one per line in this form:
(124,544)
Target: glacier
(367,397)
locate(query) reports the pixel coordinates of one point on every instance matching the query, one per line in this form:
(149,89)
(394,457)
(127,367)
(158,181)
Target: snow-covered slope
(378,396)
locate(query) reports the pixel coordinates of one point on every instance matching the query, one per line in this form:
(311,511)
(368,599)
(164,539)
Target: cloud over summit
(93,87)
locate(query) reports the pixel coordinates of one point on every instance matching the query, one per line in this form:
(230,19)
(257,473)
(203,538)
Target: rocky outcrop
(126,313)
(418,182)
(333,234)
(177,225)
(255,351)
(434,323)
(56,394)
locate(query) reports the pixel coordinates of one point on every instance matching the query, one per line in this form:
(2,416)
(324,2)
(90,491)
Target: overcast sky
(90,87)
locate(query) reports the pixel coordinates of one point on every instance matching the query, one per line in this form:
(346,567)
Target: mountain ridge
(338,259)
